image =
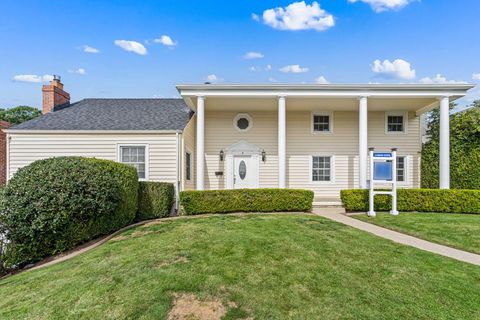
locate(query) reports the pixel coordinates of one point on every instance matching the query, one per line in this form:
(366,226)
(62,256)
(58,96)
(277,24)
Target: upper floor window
(135,155)
(322,122)
(395,122)
(321,168)
(243,122)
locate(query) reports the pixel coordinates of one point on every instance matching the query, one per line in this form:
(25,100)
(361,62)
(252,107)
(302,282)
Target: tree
(464,149)
(19,114)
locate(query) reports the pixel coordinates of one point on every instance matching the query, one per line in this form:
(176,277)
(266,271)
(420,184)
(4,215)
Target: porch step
(327,203)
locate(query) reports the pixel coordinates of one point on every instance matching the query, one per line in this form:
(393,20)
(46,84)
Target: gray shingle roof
(115,114)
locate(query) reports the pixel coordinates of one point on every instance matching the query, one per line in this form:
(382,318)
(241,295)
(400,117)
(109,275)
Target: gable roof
(114,114)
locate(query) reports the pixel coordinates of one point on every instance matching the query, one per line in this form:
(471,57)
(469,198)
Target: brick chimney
(53,95)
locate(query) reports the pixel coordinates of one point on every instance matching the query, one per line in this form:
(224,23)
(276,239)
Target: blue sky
(336,41)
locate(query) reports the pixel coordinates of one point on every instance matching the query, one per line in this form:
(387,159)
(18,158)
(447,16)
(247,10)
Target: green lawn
(460,231)
(259,266)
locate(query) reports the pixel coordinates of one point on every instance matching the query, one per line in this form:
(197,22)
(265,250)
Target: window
(395,122)
(322,122)
(136,157)
(401,169)
(188,166)
(242,122)
(321,168)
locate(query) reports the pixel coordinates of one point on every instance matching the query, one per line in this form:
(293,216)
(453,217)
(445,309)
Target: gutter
(27,131)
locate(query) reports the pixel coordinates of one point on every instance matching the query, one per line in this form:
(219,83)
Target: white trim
(22,131)
(332,168)
(179,171)
(7,171)
(147,156)
(321,113)
(407,177)
(403,114)
(238,117)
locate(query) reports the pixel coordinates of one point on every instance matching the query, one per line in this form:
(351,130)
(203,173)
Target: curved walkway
(336,215)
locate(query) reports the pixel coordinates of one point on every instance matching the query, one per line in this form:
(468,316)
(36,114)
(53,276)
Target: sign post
(383,171)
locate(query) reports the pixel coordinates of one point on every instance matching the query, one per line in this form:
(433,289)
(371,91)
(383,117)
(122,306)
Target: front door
(242,173)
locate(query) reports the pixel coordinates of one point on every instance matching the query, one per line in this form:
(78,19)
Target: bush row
(246,200)
(55,204)
(420,200)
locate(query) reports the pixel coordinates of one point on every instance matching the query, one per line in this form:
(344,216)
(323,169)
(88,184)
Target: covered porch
(281,135)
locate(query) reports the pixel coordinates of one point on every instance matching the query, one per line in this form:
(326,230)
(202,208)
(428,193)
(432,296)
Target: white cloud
(294,68)
(322,80)
(255,17)
(253,55)
(213,78)
(79,71)
(88,49)
(166,41)
(299,16)
(268,67)
(131,46)
(272,80)
(32,78)
(439,79)
(476,76)
(385,5)
(398,69)
(257,68)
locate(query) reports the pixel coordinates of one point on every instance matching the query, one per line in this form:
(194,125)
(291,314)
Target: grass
(460,231)
(270,266)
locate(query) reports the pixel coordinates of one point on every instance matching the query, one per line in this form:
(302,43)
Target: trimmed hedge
(246,200)
(56,204)
(418,200)
(155,200)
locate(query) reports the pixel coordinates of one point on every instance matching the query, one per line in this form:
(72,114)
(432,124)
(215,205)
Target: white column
(200,142)
(444,143)
(282,142)
(362,142)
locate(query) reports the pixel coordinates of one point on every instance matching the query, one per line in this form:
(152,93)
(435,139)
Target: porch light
(264,155)
(222,154)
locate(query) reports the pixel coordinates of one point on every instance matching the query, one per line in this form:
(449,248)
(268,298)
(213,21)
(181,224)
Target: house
(221,136)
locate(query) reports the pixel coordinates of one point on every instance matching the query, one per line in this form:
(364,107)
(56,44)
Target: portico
(315,136)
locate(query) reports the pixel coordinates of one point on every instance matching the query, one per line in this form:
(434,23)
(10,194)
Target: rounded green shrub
(155,200)
(56,204)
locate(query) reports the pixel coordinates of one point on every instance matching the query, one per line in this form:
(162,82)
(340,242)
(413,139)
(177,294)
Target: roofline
(50,131)
(340,87)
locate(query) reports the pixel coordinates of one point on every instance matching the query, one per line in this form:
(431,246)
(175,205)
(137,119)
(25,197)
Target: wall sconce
(264,156)
(222,154)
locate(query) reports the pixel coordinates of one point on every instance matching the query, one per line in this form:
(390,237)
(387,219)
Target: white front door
(243,174)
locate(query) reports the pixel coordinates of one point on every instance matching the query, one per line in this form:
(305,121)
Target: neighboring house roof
(114,114)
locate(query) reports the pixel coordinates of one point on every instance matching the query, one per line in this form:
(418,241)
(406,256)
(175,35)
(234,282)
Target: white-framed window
(188,166)
(396,122)
(135,155)
(322,122)
(243,122)
(322,168)
(402,169)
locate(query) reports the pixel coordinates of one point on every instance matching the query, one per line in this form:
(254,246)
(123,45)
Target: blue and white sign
(383,172)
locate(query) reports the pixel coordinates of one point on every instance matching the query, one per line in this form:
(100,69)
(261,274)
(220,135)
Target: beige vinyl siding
(26,148)
(220,134)
(189,145)
(302,144)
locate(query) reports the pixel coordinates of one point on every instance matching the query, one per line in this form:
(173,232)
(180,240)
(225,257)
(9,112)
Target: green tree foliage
(464,150)
(19,114)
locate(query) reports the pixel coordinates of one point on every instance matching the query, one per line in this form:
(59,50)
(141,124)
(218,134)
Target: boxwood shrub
(419,200)
(155,200)
(246,200)
(55,204)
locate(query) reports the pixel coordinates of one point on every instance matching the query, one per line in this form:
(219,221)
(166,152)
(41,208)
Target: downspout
(178,168)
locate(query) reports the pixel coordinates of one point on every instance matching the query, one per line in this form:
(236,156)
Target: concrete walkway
(339,216)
